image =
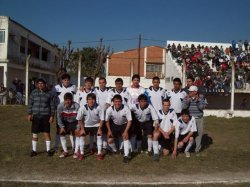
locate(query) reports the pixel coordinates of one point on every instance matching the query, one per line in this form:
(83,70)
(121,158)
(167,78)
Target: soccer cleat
(64,155)
(187,154)
(50,153)
(156,157)
(125,159)
(92,151)
(149,153)
(81,157)
(33,153)
(100,157)
(75,155)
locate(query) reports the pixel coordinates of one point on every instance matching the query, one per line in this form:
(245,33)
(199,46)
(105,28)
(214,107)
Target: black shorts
(144,129)
(104,128)
(117,130)
(70,127)
(167,143)
(40,124)
(91,130)
(181,137)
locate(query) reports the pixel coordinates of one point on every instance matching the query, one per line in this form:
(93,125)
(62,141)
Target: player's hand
(185,140)
(62,130)
(82,132)
(110,135)
(99,132)
(51,119)
(30,118)
(125,135)
(166,135)
(174,154)
(77,132)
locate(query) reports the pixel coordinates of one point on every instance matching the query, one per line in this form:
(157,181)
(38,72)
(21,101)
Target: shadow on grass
(206,141)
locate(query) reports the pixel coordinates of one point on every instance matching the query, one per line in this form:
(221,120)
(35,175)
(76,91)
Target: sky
(119,22)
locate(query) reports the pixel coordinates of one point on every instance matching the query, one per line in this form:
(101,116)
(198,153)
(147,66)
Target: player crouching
(118,120)
(66,118)
(165,134)
(185,127)
(90,118)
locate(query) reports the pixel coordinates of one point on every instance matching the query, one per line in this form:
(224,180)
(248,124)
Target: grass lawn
(227,156)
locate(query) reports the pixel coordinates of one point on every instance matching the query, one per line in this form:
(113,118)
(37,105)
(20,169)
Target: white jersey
(101,96)
(182,128)
(90,116)
(176,99)
(134,93)
(119,117)
(83,96)
(62,90)
(123,93)
(167,119)
(146,114)
(156,97)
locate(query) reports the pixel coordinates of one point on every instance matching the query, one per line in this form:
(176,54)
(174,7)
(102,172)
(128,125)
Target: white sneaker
(187,154)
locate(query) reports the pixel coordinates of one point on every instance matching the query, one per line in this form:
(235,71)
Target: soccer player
(66,119)
(196,103)
(82,96)
(147,119)
(176,96)
(134,91)
(190,82)
(90,119)
(165,134)
(41,110)
(102,93)
(185,127)
(156,94)
(60,90)
(118,90)
(118,121)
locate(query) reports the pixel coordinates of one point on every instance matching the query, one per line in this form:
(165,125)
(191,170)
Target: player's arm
(186,139)
(31,102)
(107,118)
(59,118)
(177,132)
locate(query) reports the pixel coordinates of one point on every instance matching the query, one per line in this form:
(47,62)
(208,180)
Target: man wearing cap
(41,111)
(195,103)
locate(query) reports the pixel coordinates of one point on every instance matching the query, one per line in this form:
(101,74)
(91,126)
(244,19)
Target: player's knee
(165,152)
(191,139)
(180,145)
(156,135)
(110,140)
(34,136)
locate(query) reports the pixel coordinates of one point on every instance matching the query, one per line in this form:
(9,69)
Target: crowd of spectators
(210,66)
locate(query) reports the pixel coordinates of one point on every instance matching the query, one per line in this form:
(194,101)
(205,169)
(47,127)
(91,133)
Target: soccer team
(128,120)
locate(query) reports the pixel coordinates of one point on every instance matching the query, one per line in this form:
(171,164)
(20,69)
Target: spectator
(19,90)
(3,94)
(246,44)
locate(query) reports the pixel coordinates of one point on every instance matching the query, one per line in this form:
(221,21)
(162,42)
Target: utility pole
(139,53)
(69,48)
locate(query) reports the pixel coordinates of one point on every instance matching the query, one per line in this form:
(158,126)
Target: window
(22,45)
(2,36)
(154,70)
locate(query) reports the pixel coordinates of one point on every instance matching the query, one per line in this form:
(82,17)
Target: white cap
(193,88)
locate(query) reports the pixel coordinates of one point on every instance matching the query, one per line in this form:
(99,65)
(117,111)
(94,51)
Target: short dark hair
(177,80)
(68,95)
(142,97)
(190,77)
(103,78)
(118,97)
(65,76)
(89,79)
(119,80)
(41,80)
(185,112)
(91,96)
(156,78)
(136,76)
(166,100)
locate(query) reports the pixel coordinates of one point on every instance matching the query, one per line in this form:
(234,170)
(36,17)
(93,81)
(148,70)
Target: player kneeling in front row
(66,119)
(165,134)
(147,119)
(90,118)
(118,121)
(185,127)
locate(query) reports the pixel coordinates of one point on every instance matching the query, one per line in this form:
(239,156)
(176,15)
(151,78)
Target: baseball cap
(193,88)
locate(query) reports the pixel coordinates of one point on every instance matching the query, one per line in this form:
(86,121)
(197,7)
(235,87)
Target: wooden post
(27,80)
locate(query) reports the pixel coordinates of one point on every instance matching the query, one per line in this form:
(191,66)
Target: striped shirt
(41,103)
(67,115)
(195,106)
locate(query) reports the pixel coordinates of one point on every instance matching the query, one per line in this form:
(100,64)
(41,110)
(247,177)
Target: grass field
(226,157)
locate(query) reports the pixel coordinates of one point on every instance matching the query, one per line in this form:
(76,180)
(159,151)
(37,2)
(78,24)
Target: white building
(16,42)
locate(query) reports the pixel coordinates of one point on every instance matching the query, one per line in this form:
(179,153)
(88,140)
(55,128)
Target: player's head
(156,82)
(136,80)
(193,91)
(91,99)
(190,81)
(88,83)
(185,115)
(102,82)
(65,79)
(68,99)
(143,100)
(118,83)
(165,105)
(177,83)
(117,100)
(41,84)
